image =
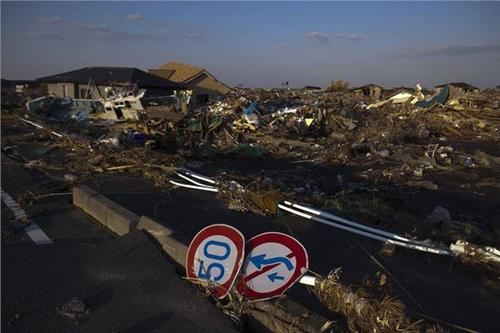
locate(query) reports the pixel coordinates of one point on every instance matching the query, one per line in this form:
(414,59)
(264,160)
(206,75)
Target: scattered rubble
(364,156)
(73,309)
(411,140)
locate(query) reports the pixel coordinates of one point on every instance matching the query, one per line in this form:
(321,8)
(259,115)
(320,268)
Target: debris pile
(363,312)
(258,198)
(338,127)
(406,138)
(362,157)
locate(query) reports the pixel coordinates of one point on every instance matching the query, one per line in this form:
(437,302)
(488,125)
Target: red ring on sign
(295,247)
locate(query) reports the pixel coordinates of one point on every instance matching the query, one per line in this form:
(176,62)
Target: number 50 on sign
(216,255)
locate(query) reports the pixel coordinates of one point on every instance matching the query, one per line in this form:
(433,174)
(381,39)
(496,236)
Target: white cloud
(352,37)
(134,17)
(319,37)
(279,45)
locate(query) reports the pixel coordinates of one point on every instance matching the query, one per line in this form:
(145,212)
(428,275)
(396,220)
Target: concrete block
(97,207)
(171,241)
(81,196)
(110,214)
(154,228)
(120,220)
(176,249)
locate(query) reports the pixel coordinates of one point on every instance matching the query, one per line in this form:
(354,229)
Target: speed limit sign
(216,255)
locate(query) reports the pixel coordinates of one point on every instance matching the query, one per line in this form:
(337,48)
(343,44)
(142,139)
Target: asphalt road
(126,283)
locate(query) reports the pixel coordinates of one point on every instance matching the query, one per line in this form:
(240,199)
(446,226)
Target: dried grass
(233,305)
(363,312)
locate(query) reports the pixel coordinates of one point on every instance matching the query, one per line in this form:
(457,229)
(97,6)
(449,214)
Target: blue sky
(261,44)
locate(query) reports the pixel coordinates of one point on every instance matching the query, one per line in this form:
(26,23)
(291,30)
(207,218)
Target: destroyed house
(205,86)
(90,82)
(370,90)
(460,87)
(311,88)
(388,93)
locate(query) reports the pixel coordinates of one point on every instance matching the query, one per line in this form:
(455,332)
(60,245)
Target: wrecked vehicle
(128,103)
(64,109)
(132,103)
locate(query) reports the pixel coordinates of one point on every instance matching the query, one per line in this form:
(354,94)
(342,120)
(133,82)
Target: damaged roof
(401,88)
(103,75)
(163,73)
(182,72)
(462,85)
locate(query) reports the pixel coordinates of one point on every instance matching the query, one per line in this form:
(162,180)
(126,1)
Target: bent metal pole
(422,248)
(342,220)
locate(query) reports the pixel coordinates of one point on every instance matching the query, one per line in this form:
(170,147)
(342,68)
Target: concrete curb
(278,315)
(286,315)
(113,216)
(172,242)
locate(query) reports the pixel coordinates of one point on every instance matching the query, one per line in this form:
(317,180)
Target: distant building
(459,87)
(311,88)
(18,86)
(13,83)
(371,90)
(204,85)
(387,93)
(90,82)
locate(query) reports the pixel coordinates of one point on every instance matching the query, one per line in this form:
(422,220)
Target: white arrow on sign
(274,262)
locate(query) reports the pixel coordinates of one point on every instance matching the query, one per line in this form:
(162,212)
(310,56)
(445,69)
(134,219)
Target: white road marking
(37,234)
(19,213)
(33,230)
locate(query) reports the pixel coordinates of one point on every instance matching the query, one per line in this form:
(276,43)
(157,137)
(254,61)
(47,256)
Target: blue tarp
(438,99)
(251,109)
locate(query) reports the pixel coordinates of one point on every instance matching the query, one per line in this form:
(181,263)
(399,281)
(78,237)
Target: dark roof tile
(106,75)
